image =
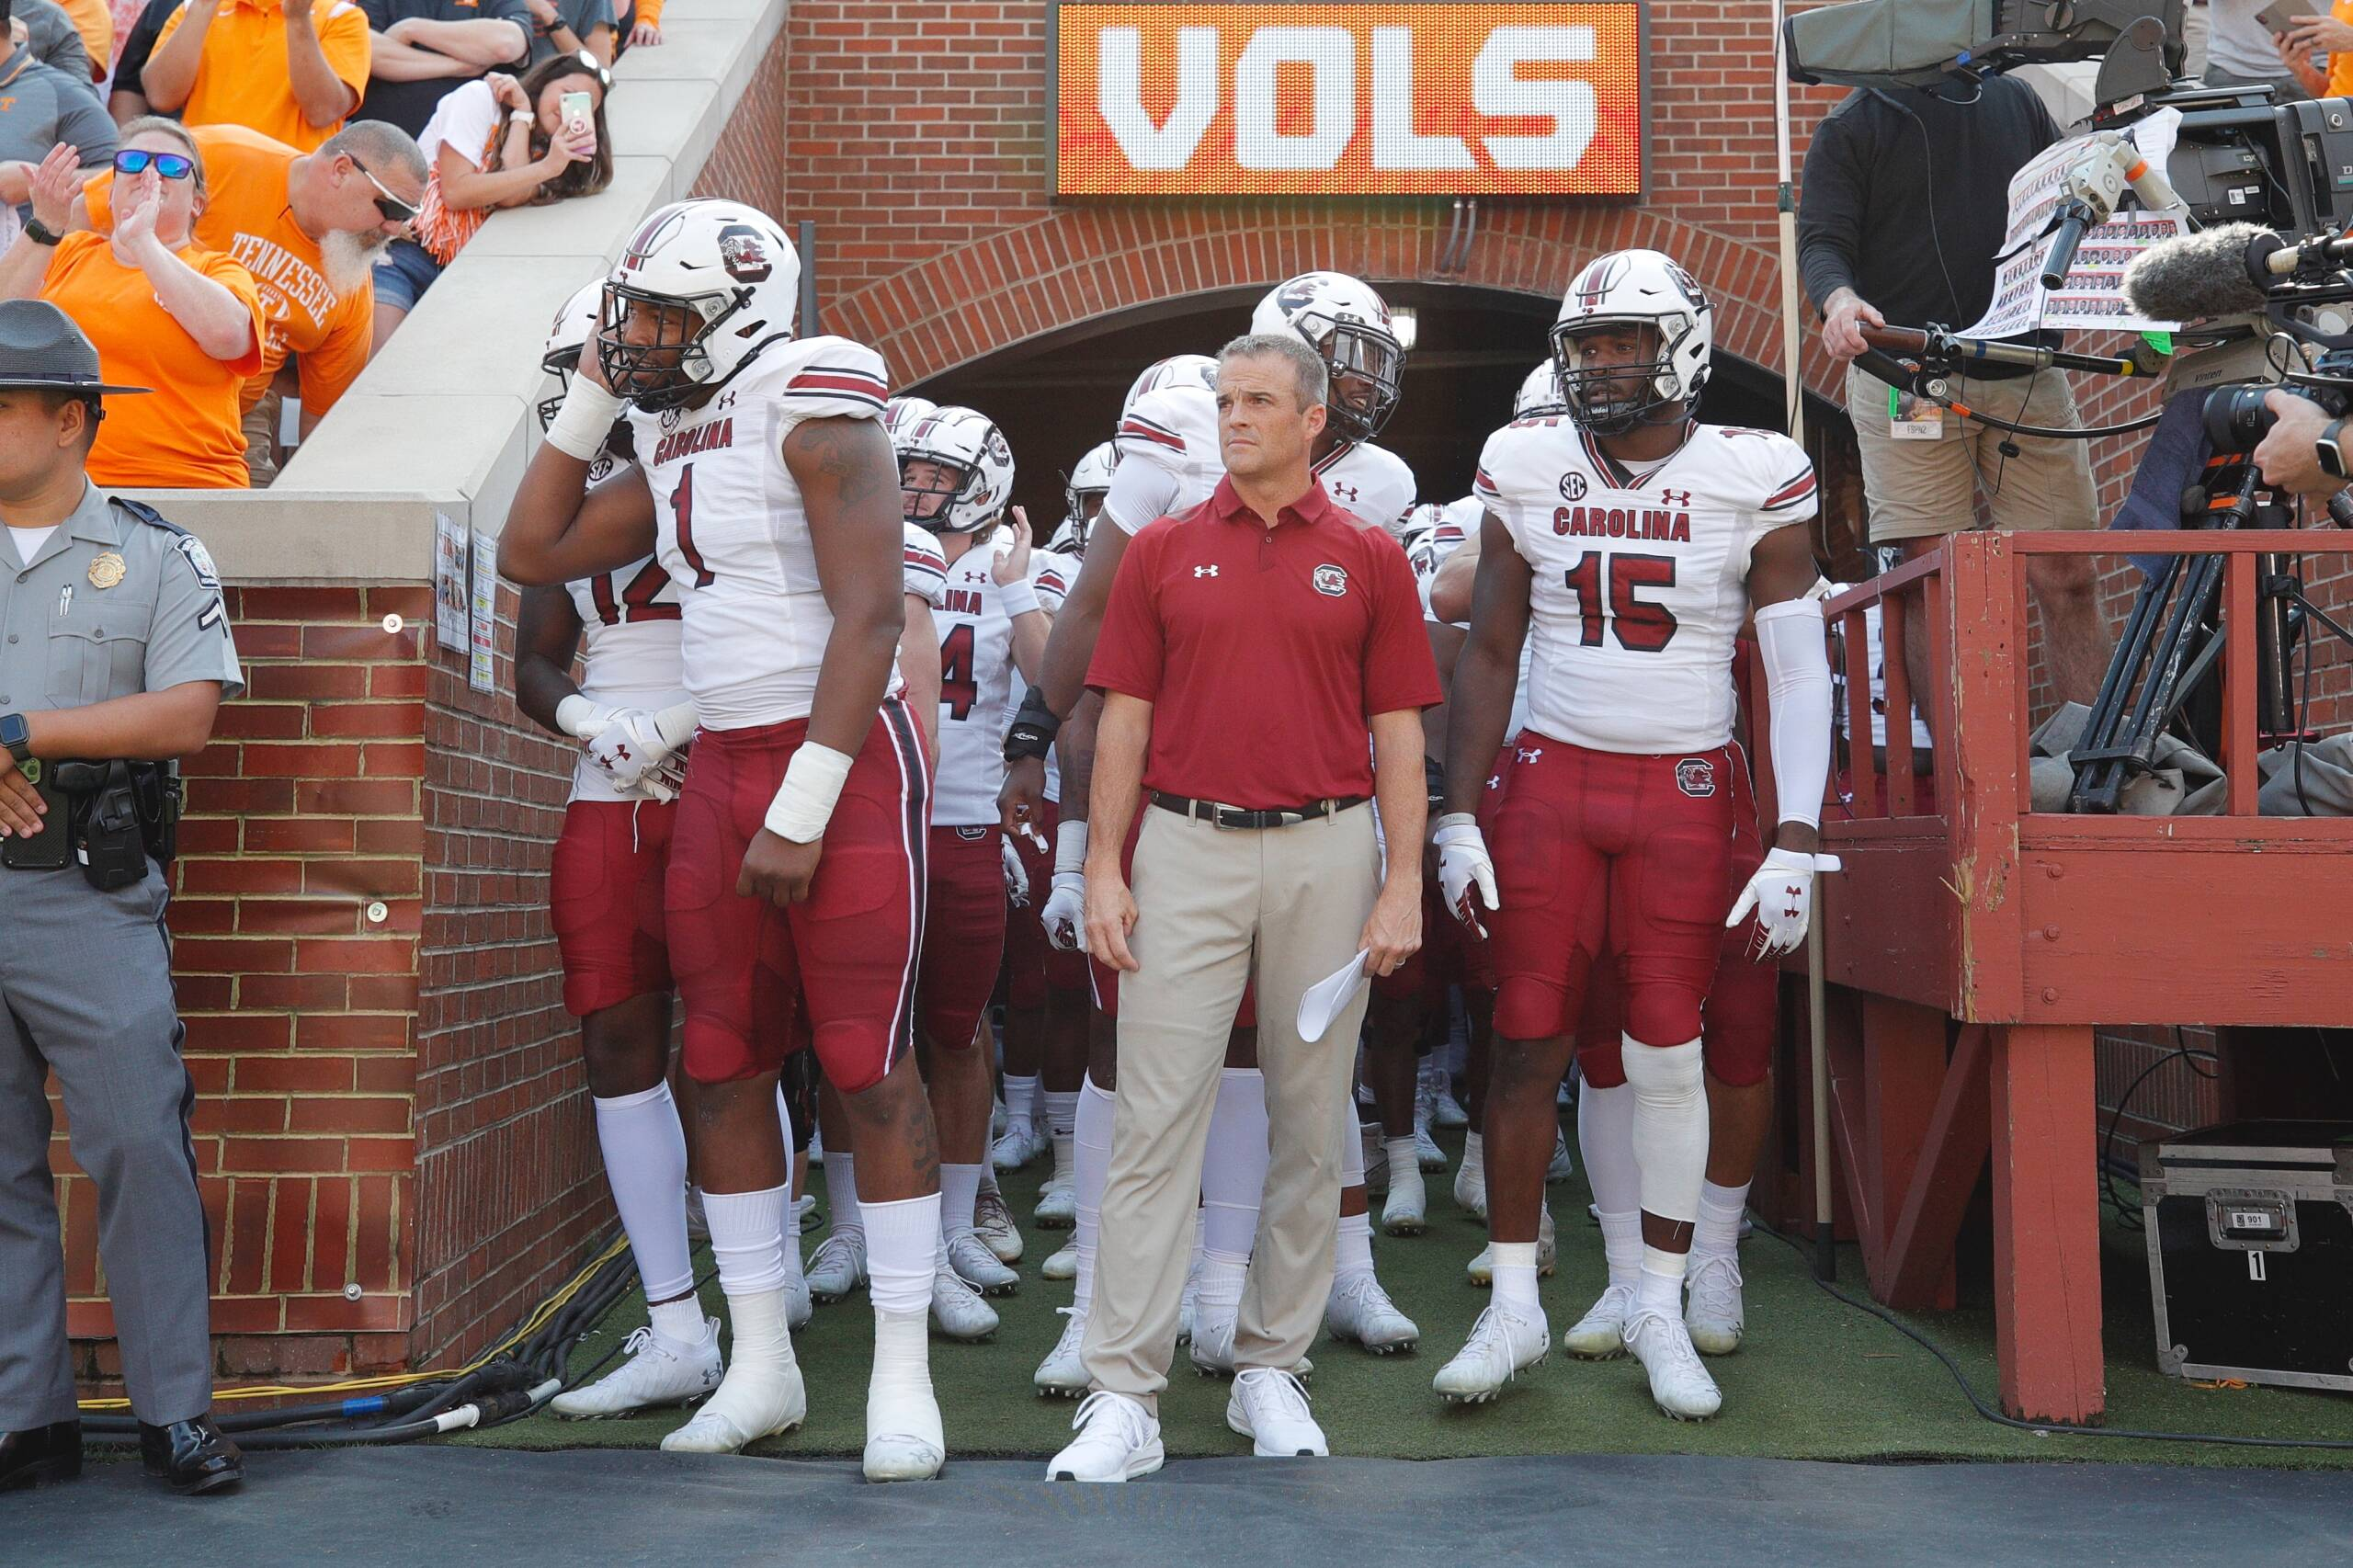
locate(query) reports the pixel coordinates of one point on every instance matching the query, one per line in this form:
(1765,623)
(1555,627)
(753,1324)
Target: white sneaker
(658,1371)
(1061,1375)
(1061,1264)
(762,1393)
(956,1311)
(1470,1187)
(1118,1440)
(1359,1310)
(1713,1314)
(698,1226)
(1426,1150)
(1015,1148)
(1405,1212)
(1268,1406)
(1057,1205)
(1680,1386)
(993,1222)
(1502,1346)
(1481,1268)
(1563,1167)
(1600,1334)
(837,1267)
(1375,1160)
(1447,1112)
(903,1437)
(977,1266)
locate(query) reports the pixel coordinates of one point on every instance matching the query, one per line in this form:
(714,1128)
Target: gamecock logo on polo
(1349,99)
(1695,777)
(1331,581)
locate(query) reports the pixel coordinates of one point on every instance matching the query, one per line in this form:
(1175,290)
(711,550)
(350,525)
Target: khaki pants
(261,440)
(1923,489)
(1214,908)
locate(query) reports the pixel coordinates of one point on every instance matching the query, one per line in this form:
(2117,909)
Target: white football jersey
(975,686)
(1639,578)
(629,642)
(1169,461)
(731,529)
(1371,482)
(1456,524)
(1052,571)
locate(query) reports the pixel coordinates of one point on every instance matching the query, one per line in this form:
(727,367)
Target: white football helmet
(1539,397)
(1633,288)
(971,472)
(902,415)
(1414,534)
(1091,479)
(736,273)
(1177,370)
(574,325)
(1342,320)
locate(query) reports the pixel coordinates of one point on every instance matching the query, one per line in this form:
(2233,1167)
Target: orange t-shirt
(247,218)
(242,79)
(95,22)
(184,435)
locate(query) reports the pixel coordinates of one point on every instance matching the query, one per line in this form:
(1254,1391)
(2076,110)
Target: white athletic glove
(1781,892)
(639,751)
(1017,878)
(1065,913)
(1463,863)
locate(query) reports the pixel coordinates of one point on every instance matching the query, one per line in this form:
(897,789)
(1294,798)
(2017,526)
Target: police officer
(115,653)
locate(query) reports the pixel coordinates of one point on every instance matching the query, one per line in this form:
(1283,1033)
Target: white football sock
(1475,1152)
(1352,1253)
(902,1249)
(841,1193)
(788,1234)
(1020,1100)
(1621,1244)
(1717,1232)
(959,1186)
(645,1162)
(1062,1120)
(1404,1155)
(680,1322)
(1606,1140)
(1091,1162)
(1670,1141)
(1515,1276)
(746,1231)
(1234,1173)
(1657,1289)
(1351,1148)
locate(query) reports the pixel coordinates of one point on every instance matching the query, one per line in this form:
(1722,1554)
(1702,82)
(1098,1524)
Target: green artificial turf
(1816,1380)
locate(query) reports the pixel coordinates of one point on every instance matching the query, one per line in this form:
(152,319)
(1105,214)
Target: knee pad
(1666,1074)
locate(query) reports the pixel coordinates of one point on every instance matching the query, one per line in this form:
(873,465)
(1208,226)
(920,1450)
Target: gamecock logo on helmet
(743,254)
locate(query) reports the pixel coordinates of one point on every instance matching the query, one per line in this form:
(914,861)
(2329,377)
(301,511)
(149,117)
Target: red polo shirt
(1263,652)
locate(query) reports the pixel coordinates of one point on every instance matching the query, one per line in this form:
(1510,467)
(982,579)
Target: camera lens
(2236,419)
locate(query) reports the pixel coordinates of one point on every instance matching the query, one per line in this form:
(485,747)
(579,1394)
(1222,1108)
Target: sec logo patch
(1572,487)
(1695,777)
(1331,581)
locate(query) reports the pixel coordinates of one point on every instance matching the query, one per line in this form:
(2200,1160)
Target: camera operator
(1906,200)
(2289,452)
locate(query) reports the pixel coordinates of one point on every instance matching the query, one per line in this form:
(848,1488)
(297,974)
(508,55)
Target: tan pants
(261,440)
(1215,909)
(1922,489)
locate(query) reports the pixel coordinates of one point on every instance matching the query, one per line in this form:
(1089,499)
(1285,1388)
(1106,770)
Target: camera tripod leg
(2096,786)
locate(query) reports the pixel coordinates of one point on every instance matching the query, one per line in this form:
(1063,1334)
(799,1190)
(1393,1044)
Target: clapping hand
(134,231)
(56,183)
(1013,565)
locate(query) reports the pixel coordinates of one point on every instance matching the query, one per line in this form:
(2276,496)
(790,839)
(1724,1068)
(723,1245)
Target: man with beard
(308,226)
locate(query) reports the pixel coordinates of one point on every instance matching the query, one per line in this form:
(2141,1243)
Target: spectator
(290,69)
(45,28)
(567,27)
(165,311)
(496,143)
(2319,51)
(95,22)
(1905,203)
(641,23)
(424,49)
(44,106)
(127,97)
(309,227)
(2241,52)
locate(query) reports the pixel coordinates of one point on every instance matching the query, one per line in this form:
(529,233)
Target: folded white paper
(1324,1000)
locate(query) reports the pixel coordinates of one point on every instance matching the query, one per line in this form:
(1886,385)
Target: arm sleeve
(926,568)
(1830,211)
(1143,488)
(328,370)
(1797,686)
(190,639)
(1398,670)
(1130,652)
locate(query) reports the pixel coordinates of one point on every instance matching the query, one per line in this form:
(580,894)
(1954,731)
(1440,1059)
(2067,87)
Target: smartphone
(579,111)
(2279,16)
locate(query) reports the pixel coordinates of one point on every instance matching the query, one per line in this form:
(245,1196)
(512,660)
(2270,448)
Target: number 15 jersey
(1639,577)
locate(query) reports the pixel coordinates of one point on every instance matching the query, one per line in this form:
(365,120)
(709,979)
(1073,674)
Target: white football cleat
(1359,1310)
(1426,1150)
(996,1115)
(977,1266)
(800,1306)
(1015,1148)
(1268,1406)
(1118,1440)
(993,1222)
(658,1371)
(1563,1167)
(1061,1262)
(1470,1187)
(837,1267)
(1502,1346)
(1057,1205)
(956,1309)
(1447,1113)
(762,1393)
(1680,1386)
(1481,1268)
(1061,1375)
(1405,1212)
(903,1437)
(1212,1337)
(1184,1303)
(1600,1334)
(1714,1315)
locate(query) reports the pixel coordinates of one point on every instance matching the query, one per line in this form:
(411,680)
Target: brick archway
(1082,263)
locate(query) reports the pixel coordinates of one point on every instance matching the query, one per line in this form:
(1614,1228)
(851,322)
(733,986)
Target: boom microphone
(2209,273)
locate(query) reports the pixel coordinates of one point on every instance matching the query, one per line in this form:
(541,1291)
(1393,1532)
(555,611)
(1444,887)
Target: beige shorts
(1920,489)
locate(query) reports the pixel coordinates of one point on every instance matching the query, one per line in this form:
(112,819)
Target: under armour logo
(1676,497)
(1531,753)
(1342,491)
(1494,781)
(1204,570)
(621,754)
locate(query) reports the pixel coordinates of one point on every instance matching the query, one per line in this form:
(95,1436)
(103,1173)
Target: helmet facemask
(1612,398)
(1365,366)
(668,370)
(562,364)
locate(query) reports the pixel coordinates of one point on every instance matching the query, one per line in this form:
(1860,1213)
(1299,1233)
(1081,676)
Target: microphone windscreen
(2204,274)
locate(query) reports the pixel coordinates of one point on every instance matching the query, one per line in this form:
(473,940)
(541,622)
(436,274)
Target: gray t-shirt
(41,107)
(49,34)
(2238,45)
(584,17)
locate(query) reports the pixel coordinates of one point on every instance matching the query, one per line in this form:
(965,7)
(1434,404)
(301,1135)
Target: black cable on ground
(2127,1214)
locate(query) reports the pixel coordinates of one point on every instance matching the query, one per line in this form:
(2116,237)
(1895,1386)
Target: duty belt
(1236,818)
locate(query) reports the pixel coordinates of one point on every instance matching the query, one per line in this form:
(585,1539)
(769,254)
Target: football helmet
(1539,397)
(1633,288)
(1344,321)
(1177,370)
(903,413)
(1414,534)
(739,279)
(575,324)
(971,472)
(1092,477)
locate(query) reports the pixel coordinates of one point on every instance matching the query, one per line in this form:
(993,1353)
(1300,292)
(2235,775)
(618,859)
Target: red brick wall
(747,162)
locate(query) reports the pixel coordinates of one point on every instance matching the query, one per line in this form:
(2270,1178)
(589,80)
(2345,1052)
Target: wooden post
(2046,1223)
(1904,1068)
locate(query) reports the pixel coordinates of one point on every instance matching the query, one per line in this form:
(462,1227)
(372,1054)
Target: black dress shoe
(193,1456)
(39,1454)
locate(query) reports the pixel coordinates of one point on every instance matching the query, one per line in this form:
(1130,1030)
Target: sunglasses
(395,209)
(592,65)
(137,160)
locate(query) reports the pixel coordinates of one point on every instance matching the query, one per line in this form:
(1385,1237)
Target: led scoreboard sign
(1299,99)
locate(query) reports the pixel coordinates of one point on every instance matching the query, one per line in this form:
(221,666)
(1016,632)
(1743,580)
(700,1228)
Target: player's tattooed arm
(547,639)
(559,531)
(1479,704)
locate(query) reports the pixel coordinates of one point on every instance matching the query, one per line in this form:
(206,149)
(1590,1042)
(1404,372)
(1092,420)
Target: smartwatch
(2331,454)
(40,234)
(17,735)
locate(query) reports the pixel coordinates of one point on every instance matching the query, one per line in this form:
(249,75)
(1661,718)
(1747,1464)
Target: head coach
(1250,647)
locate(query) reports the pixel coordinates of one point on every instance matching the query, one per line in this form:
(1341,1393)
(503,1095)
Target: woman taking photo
(164,311)
(497,143)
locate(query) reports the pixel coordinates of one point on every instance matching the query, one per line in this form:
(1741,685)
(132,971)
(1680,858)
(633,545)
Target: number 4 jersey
(976,677)
(1639,576)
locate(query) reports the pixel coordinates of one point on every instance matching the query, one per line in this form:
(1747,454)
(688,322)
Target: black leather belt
(1234,817)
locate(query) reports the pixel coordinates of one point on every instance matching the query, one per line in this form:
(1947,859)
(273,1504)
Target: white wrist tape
(1070,847)
(1018,596)
(580,426)
(804,802)
(581,719)
(1797,687)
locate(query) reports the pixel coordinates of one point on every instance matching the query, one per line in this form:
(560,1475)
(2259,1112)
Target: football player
(1082,493)
(1632,540)
(767,487)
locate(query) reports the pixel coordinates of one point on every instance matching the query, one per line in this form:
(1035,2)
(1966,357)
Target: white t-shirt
(465,119)
(30,541)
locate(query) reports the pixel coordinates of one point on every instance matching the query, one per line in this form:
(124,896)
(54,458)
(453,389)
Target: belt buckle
(1229,819)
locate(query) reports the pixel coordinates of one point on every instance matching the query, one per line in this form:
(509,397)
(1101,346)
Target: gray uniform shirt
(41,106)
(66,643)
